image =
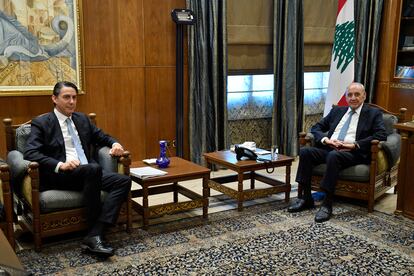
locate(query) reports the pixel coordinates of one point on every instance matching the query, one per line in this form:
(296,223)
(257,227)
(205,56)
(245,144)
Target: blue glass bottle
(163,160)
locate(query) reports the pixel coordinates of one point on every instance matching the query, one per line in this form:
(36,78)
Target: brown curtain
(319,18)
(250,34)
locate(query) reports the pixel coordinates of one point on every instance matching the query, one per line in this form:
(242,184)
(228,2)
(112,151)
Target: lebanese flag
(343,53)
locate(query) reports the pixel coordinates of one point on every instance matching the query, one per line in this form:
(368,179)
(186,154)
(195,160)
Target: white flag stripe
(341,74)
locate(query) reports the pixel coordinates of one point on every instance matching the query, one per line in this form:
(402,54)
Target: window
(250,105)
(248,92)
(249,96)
(315,87)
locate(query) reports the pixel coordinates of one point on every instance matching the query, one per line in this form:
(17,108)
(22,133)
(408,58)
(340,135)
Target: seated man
(60,142)
(343,139)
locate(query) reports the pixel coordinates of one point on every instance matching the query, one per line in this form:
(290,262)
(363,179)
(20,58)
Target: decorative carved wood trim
(402,85)
(225,190)
(170,208)
(59,223)
(259,193)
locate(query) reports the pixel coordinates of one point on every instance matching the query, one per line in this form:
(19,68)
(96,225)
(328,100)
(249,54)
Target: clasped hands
(339,145)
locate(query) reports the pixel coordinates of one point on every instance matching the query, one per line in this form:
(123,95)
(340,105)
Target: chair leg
(370,205)
(128,214)
(10,235)
(37,235)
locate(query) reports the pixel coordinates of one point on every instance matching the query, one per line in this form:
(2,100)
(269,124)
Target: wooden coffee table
(178,170)
(246,169)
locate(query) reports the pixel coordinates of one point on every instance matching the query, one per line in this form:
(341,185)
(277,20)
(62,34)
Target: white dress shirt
(69,147)
(351,133)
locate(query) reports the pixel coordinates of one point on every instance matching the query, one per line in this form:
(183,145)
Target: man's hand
(333,143)
(116,150)
(347,147)
(69,165)
(340,145)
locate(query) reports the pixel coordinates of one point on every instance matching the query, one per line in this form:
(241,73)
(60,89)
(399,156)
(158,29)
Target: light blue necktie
(76,142)
(345,127)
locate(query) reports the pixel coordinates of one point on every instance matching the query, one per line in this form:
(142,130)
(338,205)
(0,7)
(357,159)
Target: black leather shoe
(324,213)
(300,205)
(96,245)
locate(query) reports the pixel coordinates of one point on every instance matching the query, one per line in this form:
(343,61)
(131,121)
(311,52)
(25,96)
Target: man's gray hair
(360,86)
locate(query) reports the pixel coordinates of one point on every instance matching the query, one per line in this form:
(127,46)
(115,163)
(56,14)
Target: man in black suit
(343,139)
(60,142)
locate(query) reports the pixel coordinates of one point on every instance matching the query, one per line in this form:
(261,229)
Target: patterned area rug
(263,239)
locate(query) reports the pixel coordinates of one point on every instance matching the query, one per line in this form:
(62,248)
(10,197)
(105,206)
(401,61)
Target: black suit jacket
(370,126)
(46,146)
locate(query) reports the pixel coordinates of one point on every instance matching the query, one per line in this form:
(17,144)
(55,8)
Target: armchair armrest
(124,163)
(24,175)
(306,139)
(4,185)
(19,168)
(392,148)
(107,162)
(114,164)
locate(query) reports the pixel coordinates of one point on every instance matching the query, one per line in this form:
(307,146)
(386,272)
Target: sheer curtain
(368,14)
(288,74)
(207,78)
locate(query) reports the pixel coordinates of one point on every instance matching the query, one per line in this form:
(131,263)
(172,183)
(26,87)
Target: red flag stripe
(341,3)
(342,101)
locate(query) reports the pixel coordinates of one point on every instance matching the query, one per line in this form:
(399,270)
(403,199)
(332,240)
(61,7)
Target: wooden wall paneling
(388,25)
(391,92)
(113,32)
(21,109)
(382,94)
(160,31)
(117,96)
(402,98)
(160,103)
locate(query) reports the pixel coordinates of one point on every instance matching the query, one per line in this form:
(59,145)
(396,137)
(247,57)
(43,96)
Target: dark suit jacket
(46,146)
(370,126)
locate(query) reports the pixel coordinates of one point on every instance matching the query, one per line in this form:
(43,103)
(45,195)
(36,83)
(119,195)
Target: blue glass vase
(163,160)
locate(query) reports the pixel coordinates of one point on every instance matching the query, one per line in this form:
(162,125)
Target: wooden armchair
(6,218)
(52,212)
(366,182)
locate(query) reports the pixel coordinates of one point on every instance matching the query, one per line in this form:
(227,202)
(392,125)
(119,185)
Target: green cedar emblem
(343,47)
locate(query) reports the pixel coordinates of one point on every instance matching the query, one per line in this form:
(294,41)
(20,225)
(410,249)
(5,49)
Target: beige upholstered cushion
(1,192)
(382,162)
(1,184)
(27,189)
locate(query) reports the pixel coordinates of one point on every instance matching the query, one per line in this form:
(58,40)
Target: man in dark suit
(60,142)
(343,139)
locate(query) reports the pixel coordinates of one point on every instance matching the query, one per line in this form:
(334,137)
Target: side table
(246,169)
(178,170)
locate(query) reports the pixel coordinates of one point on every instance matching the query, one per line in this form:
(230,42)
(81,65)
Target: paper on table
(146,172)
(261,151)
(150,161)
